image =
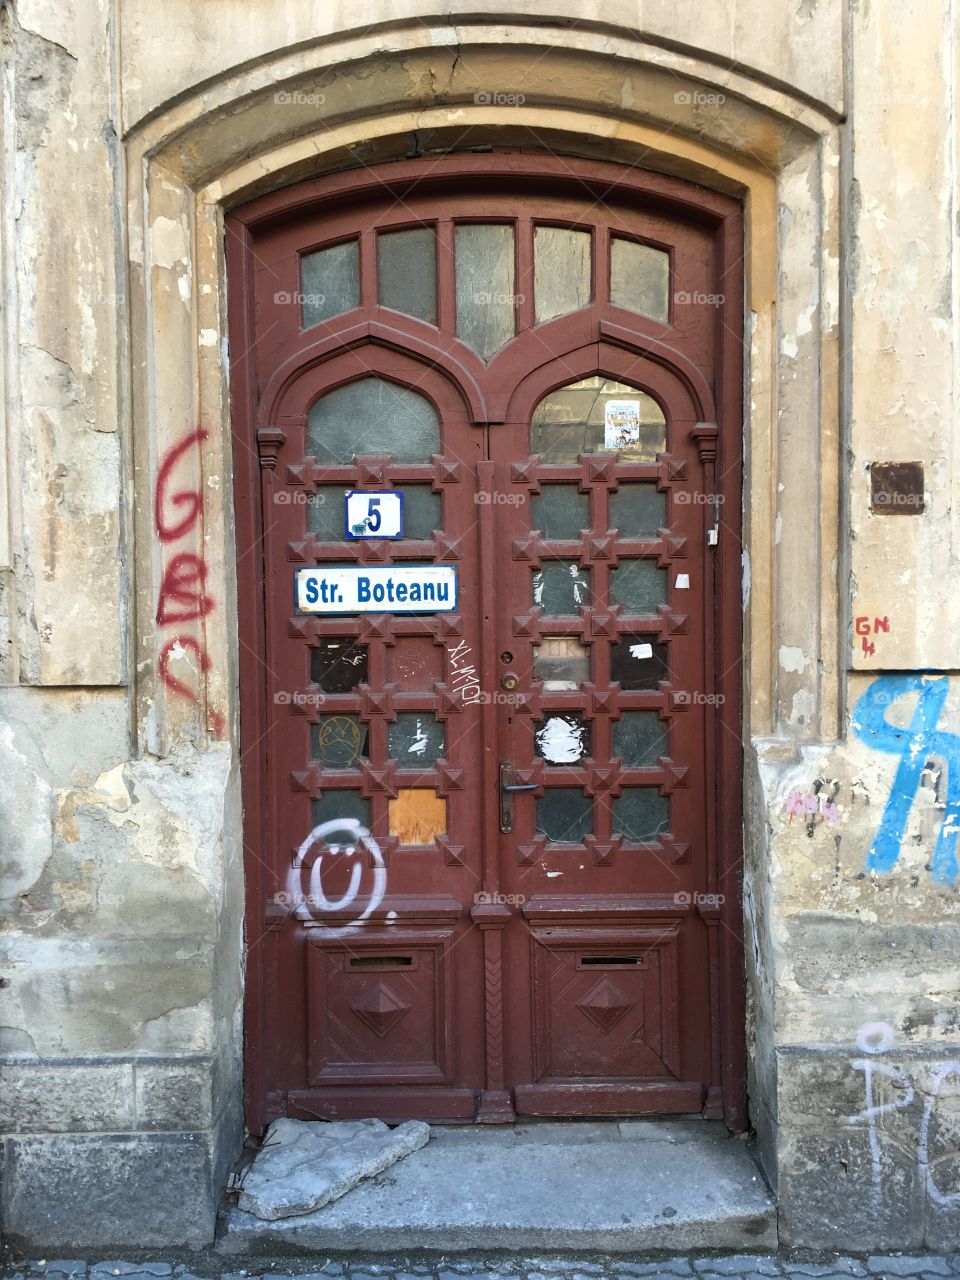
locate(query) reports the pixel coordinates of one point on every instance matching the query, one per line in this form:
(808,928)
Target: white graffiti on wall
(304,891)
(874,1039)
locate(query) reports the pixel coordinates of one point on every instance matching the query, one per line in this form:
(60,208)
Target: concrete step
(615,1187)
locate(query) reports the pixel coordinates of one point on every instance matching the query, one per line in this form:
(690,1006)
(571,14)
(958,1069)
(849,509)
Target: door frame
(253,449)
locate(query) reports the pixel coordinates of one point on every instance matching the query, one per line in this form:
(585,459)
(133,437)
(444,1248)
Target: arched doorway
(530,903)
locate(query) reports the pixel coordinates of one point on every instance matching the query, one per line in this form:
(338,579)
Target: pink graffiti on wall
(183,589)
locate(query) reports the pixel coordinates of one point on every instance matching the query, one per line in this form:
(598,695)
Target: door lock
(508,785)
(509,680)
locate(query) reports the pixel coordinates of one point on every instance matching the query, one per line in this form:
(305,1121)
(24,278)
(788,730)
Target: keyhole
(506,656)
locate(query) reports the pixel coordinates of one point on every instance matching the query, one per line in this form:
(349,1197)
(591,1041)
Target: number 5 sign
(376,514)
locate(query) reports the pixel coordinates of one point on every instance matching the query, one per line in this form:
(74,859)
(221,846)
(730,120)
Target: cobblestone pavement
(718,1267)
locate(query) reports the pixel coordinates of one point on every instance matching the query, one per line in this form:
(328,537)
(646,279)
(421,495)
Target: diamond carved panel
(605,1004)
(380,1008)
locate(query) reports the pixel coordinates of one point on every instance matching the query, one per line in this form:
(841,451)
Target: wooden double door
(493,849)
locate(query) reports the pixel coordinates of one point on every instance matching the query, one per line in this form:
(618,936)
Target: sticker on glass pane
(561,587)
(564,815)
(338,741)
(561,662)
(563,739)
(638,662)
(621,424)
(640,813)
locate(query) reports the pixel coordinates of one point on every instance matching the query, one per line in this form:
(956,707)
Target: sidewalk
(210,1266)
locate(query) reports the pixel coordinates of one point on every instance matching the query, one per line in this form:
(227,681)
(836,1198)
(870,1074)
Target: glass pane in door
(485,286)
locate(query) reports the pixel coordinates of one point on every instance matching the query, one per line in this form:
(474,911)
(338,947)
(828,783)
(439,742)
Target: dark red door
(492,850)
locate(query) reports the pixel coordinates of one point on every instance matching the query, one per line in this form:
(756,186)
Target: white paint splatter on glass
(420,741)
(560,741)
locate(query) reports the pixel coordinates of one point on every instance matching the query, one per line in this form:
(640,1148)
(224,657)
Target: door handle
(507,788)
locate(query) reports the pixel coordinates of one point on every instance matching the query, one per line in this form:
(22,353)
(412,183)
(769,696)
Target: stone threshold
(610,1186)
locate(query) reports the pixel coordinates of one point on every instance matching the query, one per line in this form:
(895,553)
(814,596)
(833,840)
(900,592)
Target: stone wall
(127,130)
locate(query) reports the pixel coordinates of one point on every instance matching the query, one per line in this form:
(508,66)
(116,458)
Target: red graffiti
(189,498)
(184,585)
(863,629)
(183,590)
(169,651)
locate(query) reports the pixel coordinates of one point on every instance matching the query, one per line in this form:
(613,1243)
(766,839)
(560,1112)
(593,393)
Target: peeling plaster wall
(61,353)
(126,132)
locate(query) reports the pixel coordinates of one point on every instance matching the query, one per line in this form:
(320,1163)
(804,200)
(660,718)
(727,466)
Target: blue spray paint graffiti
(915,745)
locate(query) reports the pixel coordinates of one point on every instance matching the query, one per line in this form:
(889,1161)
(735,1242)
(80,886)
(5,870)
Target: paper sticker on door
(395,588)
(621,424)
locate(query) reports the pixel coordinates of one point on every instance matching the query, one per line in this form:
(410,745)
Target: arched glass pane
(561,271)
(640,279)
(329,282)
(372,416)
(598,415)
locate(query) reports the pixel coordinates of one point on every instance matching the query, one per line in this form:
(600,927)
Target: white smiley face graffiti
(308,900)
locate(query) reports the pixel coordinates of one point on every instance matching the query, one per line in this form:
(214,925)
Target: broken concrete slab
(572,1188)
(304,1164)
